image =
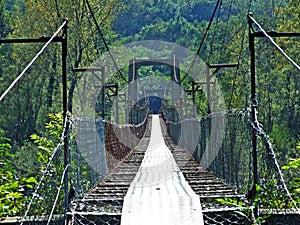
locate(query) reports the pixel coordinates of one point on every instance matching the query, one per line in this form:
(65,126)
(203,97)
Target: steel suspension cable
(33,60)
(236,72)
(240,57)
(274,43)
(277,12)
(104,41)
(57,194)
(204,37)
(225,32)
(230,39)
(219,54)
(260,131)
(215,31)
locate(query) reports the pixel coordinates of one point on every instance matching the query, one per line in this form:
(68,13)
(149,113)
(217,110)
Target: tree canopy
(26,108)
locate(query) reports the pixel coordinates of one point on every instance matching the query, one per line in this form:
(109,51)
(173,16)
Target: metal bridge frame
(112,88)
(196,86)
(102,80)
(252,35)
(64,50)
(135,64)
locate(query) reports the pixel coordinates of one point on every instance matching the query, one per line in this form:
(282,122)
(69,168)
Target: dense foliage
(13,189)
(25,110)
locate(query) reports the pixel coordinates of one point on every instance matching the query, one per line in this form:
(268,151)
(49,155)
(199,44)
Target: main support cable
(240,58)
(202,41)
(239,63)
(104,41)
(215,30)
(219,53)
(34,59)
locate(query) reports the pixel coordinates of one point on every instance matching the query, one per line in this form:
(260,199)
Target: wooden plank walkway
(159,193)
(105,203)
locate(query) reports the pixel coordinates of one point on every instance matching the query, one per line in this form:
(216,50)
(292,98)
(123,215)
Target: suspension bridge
(165,165)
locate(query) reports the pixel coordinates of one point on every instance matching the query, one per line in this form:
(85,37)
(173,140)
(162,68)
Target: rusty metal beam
(222,65)
(89,69)
(30,40)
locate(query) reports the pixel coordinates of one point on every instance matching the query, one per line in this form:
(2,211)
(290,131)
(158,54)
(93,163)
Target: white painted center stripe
(159,194)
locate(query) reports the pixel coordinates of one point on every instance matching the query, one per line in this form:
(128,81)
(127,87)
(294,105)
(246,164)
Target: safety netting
(223,144)
(101,202)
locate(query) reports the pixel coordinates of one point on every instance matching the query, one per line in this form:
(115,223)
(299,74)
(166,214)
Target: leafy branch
(13,190)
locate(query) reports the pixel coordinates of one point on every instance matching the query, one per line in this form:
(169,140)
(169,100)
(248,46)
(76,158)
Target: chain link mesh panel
(102,204)
(233,163)
(231,159)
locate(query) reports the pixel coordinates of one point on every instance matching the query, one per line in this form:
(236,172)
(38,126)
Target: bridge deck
(112,197)
(159,193)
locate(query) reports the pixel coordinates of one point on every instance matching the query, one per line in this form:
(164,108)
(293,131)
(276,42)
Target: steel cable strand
(226,27)
(260,132)
(214,32)
(57,194)
(274,43)
(56,149)
(33,60)
(104,41)
(225,46)
(241,58)
(241,50)
(277,12)
(202,41)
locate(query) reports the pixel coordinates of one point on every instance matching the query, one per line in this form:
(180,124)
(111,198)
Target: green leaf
(258,188)
(293,164)
(31,180)
(34,137)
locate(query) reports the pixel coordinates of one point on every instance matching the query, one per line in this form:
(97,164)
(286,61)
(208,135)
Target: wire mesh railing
(88,154)
(138,113)
(226,216)
(230,159)
(101,203)
(120,140)
(47,200)
(96,218)
(96,148)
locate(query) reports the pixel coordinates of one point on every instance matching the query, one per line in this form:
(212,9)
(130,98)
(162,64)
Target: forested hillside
(158,19)
(25,110)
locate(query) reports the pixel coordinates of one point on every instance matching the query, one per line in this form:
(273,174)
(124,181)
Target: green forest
(30,115)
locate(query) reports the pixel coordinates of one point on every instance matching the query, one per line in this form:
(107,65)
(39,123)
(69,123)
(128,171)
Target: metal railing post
(65,110)
(254,118)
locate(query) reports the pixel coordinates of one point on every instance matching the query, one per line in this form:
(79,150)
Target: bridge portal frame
(135,64)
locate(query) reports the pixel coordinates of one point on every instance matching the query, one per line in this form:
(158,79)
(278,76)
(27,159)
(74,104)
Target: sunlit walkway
(159,193)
